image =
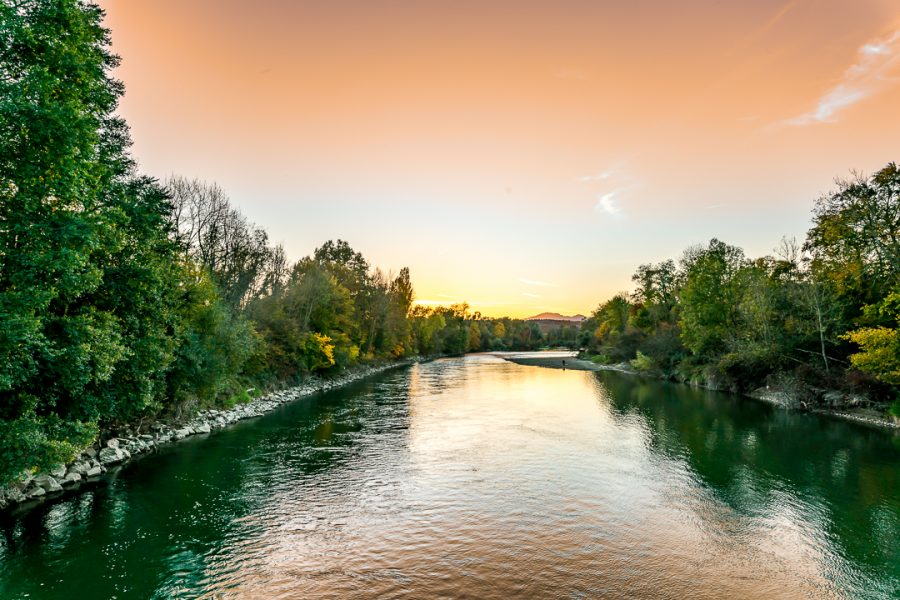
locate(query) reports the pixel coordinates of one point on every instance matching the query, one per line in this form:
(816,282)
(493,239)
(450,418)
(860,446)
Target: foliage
(40,443)
(87,303)
(894,409)
(122,299)
(214,343)
(824,313)
(233,251)
(879,346)
(643,363)
(708,296)
(855,238)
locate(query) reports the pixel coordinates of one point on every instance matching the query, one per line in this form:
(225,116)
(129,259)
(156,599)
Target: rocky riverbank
(824,402)
(130,443)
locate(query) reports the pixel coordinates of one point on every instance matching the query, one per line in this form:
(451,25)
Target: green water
(479,478)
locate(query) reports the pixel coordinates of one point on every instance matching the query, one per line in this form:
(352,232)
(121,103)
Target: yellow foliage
(325,346)
(880,353)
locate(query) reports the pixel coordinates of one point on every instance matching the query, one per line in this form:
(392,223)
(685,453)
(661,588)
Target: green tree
(709,296)
(474,343)
(880,346)
(87,304)
(214,344)
(855,238)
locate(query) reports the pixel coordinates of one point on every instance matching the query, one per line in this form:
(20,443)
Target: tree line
(824,314)
(123,298)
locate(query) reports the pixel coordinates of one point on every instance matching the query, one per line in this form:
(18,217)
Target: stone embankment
(832,403)
(115,451)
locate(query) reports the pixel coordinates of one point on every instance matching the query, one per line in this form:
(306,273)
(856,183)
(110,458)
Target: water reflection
(476,477)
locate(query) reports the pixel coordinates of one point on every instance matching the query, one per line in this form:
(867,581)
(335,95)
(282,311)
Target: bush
(747,369)
(644,364)
(242,397)
(40,443)
(894,409)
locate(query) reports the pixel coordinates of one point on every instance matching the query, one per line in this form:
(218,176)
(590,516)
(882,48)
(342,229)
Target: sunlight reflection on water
(476,477)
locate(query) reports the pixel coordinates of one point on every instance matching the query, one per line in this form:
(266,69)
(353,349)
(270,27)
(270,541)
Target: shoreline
(106,455)
(574,363)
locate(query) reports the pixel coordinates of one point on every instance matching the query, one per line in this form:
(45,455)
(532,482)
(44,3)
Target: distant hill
(551,316)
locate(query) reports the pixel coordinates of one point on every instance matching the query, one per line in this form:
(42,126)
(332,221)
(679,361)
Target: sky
(523,156)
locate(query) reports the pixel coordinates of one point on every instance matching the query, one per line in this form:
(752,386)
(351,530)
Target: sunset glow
(521,156)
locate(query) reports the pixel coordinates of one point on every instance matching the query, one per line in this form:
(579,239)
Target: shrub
(894,409)
(40,443)
(644,364)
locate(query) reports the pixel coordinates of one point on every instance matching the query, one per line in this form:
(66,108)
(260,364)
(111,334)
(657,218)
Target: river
(478,478)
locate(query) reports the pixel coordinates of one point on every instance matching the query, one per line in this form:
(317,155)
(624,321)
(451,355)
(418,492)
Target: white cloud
(598,177)
(606,203)
(871,72)
(615,182)
(876,49)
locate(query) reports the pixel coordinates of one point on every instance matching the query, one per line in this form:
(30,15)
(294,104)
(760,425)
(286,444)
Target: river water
(478,478)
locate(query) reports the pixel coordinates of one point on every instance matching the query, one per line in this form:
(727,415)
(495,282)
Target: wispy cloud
(598,177)
(870,73)
(612,184)
(537,283)
(530,295)
(606,203)
(775,20)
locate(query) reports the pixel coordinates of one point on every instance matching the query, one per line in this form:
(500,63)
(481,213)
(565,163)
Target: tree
(708,296)
(474,344)
(426,325)
(398,333)
(855,238)
(880,346)
(234,251)
(87,301)
(214,344)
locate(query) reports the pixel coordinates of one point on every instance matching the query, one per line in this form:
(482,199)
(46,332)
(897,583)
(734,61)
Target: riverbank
(113,452)
(778,398)
(560,360)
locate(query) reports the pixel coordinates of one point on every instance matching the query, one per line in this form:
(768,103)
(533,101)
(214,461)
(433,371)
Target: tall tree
(855,238)
(86,295)
(709,296)
(234,251)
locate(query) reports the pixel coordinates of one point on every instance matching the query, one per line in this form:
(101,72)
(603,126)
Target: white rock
(79,468)
(111,456)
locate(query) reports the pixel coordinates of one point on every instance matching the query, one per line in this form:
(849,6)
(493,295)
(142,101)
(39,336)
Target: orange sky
(524,156)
